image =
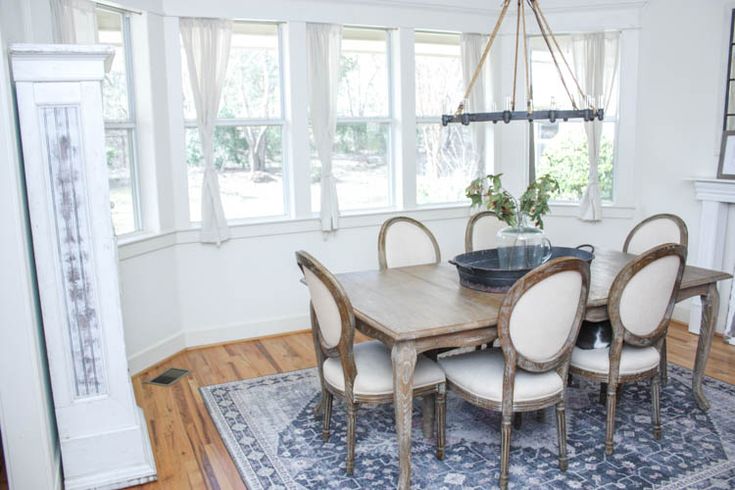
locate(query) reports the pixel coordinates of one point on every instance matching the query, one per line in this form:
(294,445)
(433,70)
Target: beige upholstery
(327,312)
(646,296)
(481,374)
(406,244)
(653,234)
(375,370)
(544,316)
(633,360)
(485,232)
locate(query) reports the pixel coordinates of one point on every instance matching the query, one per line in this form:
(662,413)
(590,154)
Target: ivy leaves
(534,203)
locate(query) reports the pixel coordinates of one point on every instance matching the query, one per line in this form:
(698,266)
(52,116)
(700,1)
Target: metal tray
(481,270)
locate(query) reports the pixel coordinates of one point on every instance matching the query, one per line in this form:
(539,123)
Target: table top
(425,301)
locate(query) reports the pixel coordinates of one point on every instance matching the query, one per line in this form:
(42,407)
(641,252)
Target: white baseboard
(169,346)
(157,352)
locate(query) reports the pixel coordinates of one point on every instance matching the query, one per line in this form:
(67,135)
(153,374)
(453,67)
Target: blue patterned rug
(269,427)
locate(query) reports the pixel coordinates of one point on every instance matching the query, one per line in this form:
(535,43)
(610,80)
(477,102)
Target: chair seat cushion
(481,374)
(633,360)
(375,370)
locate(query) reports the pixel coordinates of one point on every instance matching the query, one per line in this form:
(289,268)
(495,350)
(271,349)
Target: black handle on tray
(586,245)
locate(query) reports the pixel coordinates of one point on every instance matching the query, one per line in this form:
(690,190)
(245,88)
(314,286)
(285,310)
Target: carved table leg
(403,356)
(427,415)
(710,308)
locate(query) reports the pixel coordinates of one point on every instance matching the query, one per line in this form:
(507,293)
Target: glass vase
(522,247)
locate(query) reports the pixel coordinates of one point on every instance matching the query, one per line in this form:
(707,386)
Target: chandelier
(587,110)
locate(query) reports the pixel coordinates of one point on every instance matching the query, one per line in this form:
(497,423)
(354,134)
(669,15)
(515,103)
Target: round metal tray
(481,270)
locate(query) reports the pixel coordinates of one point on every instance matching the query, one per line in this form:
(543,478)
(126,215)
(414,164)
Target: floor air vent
(168,377)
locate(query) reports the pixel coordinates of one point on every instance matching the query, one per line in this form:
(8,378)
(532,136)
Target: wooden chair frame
(684,241)
(470,229)
(383,236)
(622,336)
(515,360)
(344,351)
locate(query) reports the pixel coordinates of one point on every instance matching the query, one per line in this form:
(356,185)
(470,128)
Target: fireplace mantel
(717,196)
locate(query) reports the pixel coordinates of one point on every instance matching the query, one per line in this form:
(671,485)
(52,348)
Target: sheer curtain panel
(74,21)
(595,64)
(323,51)
(207,46)
(472,46)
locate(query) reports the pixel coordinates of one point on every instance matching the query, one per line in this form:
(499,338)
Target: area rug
(270,429)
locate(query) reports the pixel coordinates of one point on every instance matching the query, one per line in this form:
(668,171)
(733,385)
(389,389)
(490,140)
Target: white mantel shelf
(717,197)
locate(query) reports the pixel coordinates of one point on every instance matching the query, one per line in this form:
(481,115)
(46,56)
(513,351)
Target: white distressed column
(102,432)
(716,196)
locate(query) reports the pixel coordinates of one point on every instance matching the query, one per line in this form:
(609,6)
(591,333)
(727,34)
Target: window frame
(532,142)
(256,122)
(130,124)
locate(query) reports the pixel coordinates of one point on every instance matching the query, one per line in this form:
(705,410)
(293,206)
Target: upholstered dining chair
(538,323)
(481,232)
(640,305)
(651,232)
(404,241)
(361,373)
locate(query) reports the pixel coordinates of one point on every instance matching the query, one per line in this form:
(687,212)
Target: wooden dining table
(423,308)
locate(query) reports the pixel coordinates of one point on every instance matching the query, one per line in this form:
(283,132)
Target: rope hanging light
(588,111)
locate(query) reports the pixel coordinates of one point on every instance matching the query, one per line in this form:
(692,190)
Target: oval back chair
(538,324)
(359,373)
(481,232)
(640,304)
(404,242)
(656,230)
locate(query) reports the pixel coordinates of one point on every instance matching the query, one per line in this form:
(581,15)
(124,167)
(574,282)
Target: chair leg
(656,401)
(561,431)
(664,366)
(327,414)
(505,430)
(427,415)
(611,405)
(351,423)
(441,420)
(517,420)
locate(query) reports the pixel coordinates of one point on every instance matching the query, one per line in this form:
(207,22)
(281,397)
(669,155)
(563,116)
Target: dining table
(424,308)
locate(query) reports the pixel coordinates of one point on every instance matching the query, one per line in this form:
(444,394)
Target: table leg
(403,356)
(710,308)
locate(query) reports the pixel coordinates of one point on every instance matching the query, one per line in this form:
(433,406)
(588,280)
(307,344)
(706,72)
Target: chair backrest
(481,232)
(333,320)
(656,230)
(541,315)
(643,295)
(404,242)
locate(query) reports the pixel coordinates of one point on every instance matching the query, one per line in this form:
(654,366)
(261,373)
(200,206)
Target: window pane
(249,160)
(115,86)
(363,85)
(360,166)
(118,149)
(439,84)
(561,150)
(446,162)
(252,86)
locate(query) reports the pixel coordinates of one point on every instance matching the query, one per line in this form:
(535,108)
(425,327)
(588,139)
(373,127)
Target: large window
(561,147)
(445,158)
(361,163)
(248,137)
(119,112)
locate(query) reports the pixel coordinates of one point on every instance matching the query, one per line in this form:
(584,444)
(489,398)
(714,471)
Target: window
(561,147)
(118,93)
(361,162)
(445,159)
(248,137)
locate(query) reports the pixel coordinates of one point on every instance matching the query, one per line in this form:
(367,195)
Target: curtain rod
(116,7)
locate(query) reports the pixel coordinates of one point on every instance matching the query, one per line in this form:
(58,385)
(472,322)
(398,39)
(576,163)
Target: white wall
(184,294)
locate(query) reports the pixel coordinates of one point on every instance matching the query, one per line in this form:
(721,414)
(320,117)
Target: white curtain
(207,46)
(74,21)
(323,44)
(472,46)
(595,64)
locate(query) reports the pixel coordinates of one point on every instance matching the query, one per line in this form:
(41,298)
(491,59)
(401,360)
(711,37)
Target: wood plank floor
(189,452)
